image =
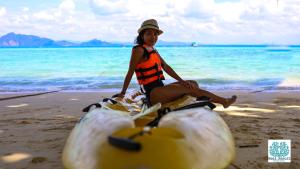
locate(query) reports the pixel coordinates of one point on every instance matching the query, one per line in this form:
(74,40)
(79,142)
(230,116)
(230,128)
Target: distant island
(13,40)
(20,40)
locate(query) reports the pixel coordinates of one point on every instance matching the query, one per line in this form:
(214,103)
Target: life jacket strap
(143,77)
(146,69)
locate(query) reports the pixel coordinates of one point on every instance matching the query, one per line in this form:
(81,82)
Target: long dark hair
(139,39)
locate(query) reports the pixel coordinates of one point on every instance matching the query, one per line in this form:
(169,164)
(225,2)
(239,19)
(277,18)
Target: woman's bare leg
(174,91)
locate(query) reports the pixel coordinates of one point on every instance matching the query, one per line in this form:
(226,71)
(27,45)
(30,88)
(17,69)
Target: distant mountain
(20,40)
(66,43)
(96,42)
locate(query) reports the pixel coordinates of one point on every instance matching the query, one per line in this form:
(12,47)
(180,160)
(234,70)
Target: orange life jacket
(151,69)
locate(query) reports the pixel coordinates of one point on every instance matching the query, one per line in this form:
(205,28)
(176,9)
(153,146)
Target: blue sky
(204,21)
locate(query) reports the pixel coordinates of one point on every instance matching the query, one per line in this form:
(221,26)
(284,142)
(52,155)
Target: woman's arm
(136,56)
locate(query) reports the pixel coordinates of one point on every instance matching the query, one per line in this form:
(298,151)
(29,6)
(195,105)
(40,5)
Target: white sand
(33,130)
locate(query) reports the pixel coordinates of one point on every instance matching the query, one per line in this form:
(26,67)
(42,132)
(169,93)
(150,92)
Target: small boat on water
(195,44)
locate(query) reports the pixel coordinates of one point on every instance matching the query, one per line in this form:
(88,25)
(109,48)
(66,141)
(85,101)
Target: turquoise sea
(104,68)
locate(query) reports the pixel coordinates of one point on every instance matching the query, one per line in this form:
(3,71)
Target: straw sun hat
(150,24)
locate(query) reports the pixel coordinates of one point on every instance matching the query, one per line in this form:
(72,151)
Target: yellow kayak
(115,136)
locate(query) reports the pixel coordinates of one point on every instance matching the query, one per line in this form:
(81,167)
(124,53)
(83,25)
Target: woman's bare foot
(229,101)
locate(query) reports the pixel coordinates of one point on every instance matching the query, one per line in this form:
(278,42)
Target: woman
(148,65)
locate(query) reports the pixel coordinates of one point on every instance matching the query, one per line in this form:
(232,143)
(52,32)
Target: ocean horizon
(235,67)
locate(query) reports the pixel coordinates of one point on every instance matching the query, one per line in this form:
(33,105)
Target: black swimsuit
(149,87)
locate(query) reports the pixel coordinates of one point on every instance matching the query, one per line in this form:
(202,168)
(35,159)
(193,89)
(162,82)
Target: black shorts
(150,86)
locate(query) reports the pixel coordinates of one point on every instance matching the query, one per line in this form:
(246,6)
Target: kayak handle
(198,104)
(128,143)
(87,109)
(109,99)
(124,143)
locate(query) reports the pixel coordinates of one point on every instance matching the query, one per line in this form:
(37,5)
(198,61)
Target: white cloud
(2,11)
(50,22)
(201,9)
(245,21)
(67,5)
(63,12)
(25,9)
(44,15)
(107,7)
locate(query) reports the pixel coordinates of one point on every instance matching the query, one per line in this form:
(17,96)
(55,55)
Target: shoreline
(111,90)
(33,130)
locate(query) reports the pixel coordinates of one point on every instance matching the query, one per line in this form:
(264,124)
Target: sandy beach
(33,129)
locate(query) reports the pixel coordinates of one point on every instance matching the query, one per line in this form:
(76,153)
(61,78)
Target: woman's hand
(188,84)
(120,95)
